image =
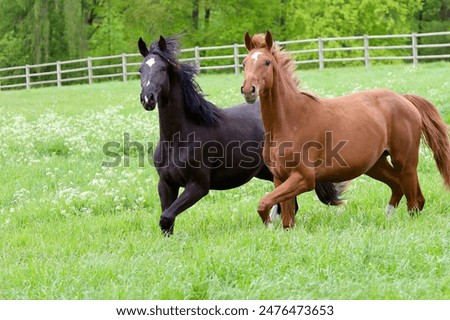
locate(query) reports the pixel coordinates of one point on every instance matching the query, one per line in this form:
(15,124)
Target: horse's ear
(269,40)
(162,43)
(248,41)
(142,47)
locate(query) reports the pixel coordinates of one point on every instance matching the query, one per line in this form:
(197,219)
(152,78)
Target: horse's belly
(338,174)
(342,168)
(335,165)
(228,178)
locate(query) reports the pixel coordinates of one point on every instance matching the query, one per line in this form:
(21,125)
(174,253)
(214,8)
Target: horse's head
(258,72)
(154,72)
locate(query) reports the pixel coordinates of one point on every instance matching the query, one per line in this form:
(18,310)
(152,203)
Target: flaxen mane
(285,62)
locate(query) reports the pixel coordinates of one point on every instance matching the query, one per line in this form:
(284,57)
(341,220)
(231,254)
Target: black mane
(198,108)
(170,53)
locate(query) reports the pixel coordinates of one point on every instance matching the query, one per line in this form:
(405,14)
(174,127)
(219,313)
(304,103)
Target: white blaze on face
(150,62)
(256,55)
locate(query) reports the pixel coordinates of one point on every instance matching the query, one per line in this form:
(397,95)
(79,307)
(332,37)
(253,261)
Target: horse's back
(242,122)
(245,111)
(375,99)
(377,106)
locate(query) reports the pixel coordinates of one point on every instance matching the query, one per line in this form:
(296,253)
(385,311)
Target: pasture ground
(73,229)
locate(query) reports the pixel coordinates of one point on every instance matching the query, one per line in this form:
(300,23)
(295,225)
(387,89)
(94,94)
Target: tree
(36,31)
(434,15)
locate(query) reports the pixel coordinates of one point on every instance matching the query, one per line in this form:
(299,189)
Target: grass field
(73,229)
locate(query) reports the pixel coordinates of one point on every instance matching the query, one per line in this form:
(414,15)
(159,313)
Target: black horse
(201,147)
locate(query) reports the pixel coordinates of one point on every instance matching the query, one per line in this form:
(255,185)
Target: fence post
(89,66)
(197,58)
(366,52)
(58,73)
(321,62)
(124,67)
(415,44)
(415,54)
(236,59)
(27,76)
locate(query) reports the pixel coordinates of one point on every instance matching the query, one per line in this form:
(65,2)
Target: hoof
(414,213)
(166,225)
(289,227)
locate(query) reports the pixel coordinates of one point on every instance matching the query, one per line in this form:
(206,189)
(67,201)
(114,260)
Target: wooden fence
(319,53)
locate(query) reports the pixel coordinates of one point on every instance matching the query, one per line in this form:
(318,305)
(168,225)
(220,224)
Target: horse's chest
(174,162)
(281,158)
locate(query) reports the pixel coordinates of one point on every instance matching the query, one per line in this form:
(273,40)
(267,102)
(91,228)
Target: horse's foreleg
(288,209)
(288,213)
(168,193)
(276,210)
(286,191)
(191,194)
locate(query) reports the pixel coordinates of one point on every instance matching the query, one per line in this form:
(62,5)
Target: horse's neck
(172,115)
(277,107)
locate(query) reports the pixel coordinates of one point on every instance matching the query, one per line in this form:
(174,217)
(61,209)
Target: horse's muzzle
(148,101)
(250,95)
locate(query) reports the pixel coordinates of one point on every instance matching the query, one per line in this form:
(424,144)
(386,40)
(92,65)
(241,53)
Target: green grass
(72,229)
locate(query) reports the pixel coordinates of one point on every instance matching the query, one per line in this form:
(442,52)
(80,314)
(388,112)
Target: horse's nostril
(253,89)
(242,89)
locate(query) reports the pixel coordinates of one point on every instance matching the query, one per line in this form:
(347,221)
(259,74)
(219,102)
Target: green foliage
(435,16)
(12,50)
(62,29)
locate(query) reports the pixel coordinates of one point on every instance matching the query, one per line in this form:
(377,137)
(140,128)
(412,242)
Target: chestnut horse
(310,139)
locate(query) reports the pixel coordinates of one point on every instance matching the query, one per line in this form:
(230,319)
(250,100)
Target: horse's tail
(329,193)
(435,132)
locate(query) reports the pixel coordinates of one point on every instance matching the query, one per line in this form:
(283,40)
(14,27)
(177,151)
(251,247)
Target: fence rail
(319,52)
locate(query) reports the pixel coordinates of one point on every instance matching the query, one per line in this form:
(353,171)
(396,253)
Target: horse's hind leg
(407,168)
(420,197)
(411,188)
(384,172)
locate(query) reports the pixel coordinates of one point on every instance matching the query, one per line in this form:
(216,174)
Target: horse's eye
(267,62)
(243,64)
(139,70)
